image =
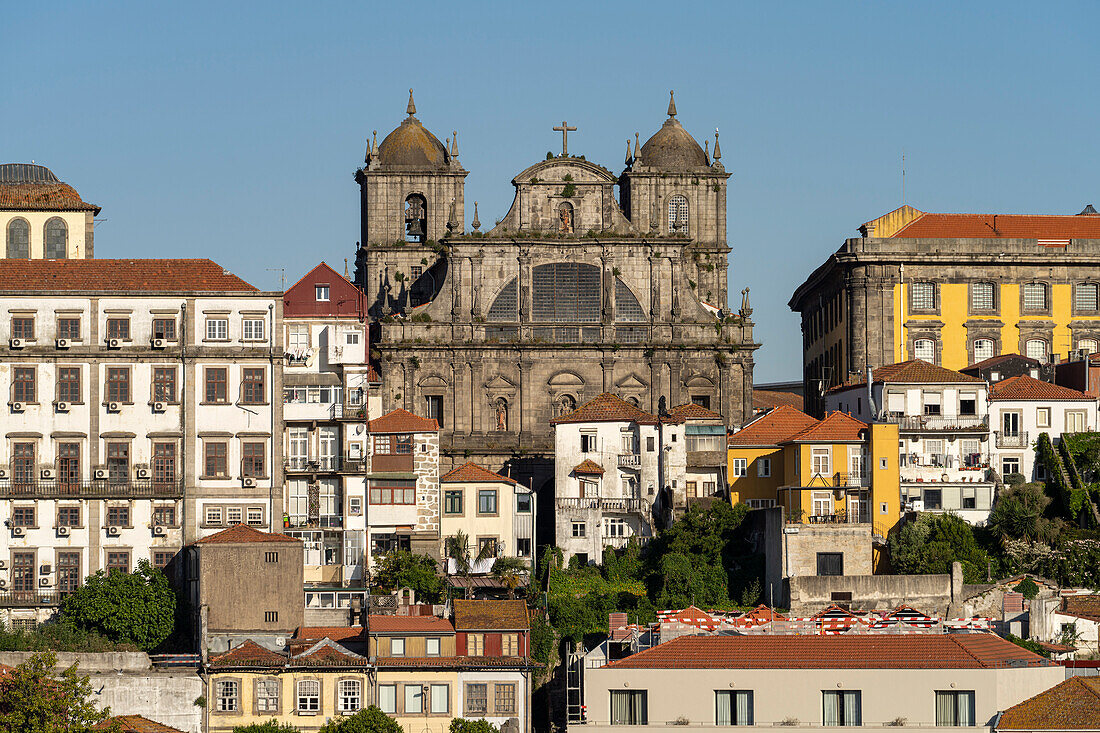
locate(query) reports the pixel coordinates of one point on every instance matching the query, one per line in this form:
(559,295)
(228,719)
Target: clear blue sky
(231,130)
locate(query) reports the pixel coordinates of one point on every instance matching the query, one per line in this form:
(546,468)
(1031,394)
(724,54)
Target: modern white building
(1022,407)
(43,218)
(943,429)
(617,469)
(138,416)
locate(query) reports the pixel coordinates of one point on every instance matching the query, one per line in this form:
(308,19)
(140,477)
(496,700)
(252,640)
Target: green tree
(137,607)
(932,542)
(33,700)
(1028,588)
(1018,514)
(271,726)
(461,725)
(461,552)
(401,569)
(367,720)
(509,571)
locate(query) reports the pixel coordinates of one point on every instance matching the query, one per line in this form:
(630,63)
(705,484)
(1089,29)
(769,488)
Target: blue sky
(232,130)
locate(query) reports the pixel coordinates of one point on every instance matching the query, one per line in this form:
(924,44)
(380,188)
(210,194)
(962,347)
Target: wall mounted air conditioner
(45,569)
(114,343)
(141,472)
(3,473)
(62,406)
(16,343)
(3,584)
(114,406)
(159,530)
(100,473)
(63,531)
(44,582)
(63,343)
(47,473)
(918,505)
(18,531)
(112,531)
(159,343)
(249,482)
(17,407)
(158,407)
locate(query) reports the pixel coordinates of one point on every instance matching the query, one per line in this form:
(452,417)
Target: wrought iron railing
(604,504)
(936,422)
(29,598)
(349,411)
(94,488)
(1016,439)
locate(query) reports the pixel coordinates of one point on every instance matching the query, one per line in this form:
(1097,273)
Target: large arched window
(1036,349)
(416,218)
(19,239)
(678,215)
(57,239)
(983,349)
(506,305)
(627,307)
(925,350)
(565,292)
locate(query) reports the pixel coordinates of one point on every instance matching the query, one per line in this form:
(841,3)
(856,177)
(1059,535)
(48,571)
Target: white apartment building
(617,469)
(491,510)
(41,217)
(1021,407)
(138,417)
(943,434)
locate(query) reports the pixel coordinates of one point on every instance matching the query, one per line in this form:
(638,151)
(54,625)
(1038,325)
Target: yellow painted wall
(751,486)
(433,722)
(221,722)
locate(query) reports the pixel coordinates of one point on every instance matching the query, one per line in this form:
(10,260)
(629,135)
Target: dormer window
(321,293)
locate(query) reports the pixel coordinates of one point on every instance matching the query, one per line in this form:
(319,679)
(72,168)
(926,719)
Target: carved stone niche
(566,393)
(500,397)
(633,389)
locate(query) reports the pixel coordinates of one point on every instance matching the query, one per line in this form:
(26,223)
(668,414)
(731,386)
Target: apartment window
(216,385)
(164,463)
(164,515)
(22,571)
(23,384)
(821,464)
(68,384)
(118,516)
(578,529)
(440,698)
(255,516)
(475,645)
(733,707)
(414,699)
(650,444)
(387,698)
(118,463)
(931,403)
(983,349)
(394,491)
(830,563)
(22,463)
(161,558)
(164,384)
(397,646)
(234,515)
(118,328)
(68,516)
(350,696)
(477,699)
(924,296)
(1035,297)
(118,384)
(253,329)
(217,329)
(843,707)
(22,327)
(982,296)
(309,696)
(588,442)
(1087,346)
(431,646)
(213,515)
(267,696)
(487,501)
(1042,417)
(629,707)
(739,467)
(925,350)
(764,467)
(1075,421)
(228,696)
(253,389)
(297,339)
(164,328)
(452,501)
(68,328)
(434,406)
(509,645)
(68,571)
(118,560)
(504,699)
(216,459)
(390,445)
(252,459)
(523,503)
(320,292)
(968,404)
(487,547)
(1036,349)
(23,516)
(954,707)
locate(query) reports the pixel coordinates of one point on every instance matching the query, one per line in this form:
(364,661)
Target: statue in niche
(565,218)
(566,405)
(501,406)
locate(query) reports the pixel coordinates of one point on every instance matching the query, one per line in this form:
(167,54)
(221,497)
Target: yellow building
(951,289)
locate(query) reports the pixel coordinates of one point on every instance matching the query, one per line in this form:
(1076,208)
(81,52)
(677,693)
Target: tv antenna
(282,276)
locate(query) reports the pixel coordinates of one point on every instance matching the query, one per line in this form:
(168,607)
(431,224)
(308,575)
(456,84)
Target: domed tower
(673,187)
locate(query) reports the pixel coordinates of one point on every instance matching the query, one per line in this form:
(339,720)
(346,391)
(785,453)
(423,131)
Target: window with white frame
(1009,465)
(925,350)
(297,338)
(213,515)
(309,696)
(1035,297)
(1036,349)
(924,296)
(351,696)
(397,646)
(255,516)
(253,329)
(739,467)
(614,527)
(228,696)
(217,329)
(1085,297)
(431,646)
(320,292)
(387,698)
(983,349)
(297,502)
(267,696)
(821,464)
(981,296)
(1075,421)
(764,467)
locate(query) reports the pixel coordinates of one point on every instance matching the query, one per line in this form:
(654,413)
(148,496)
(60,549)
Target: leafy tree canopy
(461,725)
(271,726)
(1019,514)
(932,542)
(401,569)
(367,720)
(137,607)
(33,700)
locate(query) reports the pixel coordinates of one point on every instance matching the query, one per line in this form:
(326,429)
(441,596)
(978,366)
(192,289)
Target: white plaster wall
(1029,411)
(76,221)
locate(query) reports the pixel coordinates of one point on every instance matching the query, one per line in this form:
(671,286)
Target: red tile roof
(248,654)
(402,421)
(762,614)
(243,533)
(1070,705)
(772,427)
(692,411)
(607,407)
(1023,387)
(119,276)
(836,426)
(1082,606)
(1000,358)
(588,466)
(914,371)
(766,399)
(1002,226)
(134,724)
(327,653)
(410,624)
(470,472)
(933,651)
(42,197)
(491,615)
(452,662)
(336,633)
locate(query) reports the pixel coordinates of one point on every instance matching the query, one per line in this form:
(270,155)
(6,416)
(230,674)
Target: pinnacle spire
(476,224)
(411,109)
(637,148)
(717,150)
(454,145)
(629,159)
(706,151)
(671,103)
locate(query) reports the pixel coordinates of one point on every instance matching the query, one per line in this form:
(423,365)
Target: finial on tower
(637,148)
(476,224)
(374,142)
(411,109)
(629,159)
(671,103)
(706,151)
(454,145)
(746,309)
(717,150)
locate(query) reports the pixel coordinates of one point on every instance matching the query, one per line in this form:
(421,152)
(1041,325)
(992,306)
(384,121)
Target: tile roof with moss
(491,616)
(607,407)
(248,654)
(588,466)
(1070,705)
(471,472)
(241,533)
(119,276)
(1024,387)
(767,399)
(402,421)
(134,724)
(692,411)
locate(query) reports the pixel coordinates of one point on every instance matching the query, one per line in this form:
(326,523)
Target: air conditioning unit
(3,473)
(17,407)
(63,343)
(62,406)
(45,569)
(249,482)
(63,531)
(114,406)
(159,530)
(3,584)
(16,343)
(47,473)
(158,407)
(18,531)
(141,472)
(44,582)
(112,531)
(159,343)
(918,505)
(3,564)
(114,343)
(100,473)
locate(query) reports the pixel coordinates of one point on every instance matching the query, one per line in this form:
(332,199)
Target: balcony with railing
(348,411)
(630,460)
(623,505)
(312,464)
(107,488)
(839,480)
(32,598)
(1015,439)
(920,423)
(619,542)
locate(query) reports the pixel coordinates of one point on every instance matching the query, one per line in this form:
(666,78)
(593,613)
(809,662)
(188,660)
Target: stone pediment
(698,380)
(631,381)
(555,170)
(499,383)
(433,381)
(565,379)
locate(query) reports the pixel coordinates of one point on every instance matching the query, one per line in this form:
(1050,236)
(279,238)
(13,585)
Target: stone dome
(411,145)
(672,147)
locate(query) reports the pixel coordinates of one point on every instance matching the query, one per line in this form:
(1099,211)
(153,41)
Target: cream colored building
(43,218)
(489,509)
(931,681)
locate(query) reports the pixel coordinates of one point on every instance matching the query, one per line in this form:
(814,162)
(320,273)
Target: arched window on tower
(57,239)
(416,218)
(565,218)
(19,240)
(678,215)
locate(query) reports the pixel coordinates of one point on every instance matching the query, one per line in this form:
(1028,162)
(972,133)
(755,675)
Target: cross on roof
(564,129)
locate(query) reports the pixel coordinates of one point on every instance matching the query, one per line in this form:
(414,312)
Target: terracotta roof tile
(336,633)
(766,399)
(1002,226)
(410,624)
(835,426)
(470,472)
(243,533)
(1001,358)
(933,651)
(588,466)
(762,614)
(402,421)
(119,276)
(42,197)
(248,654)
(692,411)
(327,653)
(451,662)
(607,407)
(914,371)
(491,615)
(1023,387)
(1082,606)
(1070,705)
(135,724)
(772,427)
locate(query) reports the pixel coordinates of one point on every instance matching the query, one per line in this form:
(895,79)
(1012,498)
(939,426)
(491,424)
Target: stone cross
(565,129)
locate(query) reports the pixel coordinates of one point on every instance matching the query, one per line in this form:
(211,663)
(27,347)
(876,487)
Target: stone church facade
(573,293)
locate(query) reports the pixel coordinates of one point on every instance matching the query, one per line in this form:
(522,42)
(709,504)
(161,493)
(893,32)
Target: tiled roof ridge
(243,533)
(124,274)
(618,410)
(476,467)
(413,423)
(588,466)
(327,643)
(1003,390)
(826,423)
(314,269)
(763,423)
(954,638)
